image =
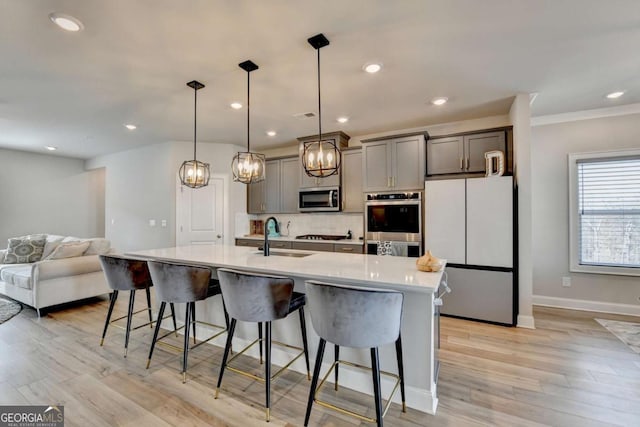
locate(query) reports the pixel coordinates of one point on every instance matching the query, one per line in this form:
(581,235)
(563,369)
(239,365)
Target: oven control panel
(394,196)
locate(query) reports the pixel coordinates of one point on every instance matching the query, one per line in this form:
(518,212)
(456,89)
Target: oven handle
(395,202)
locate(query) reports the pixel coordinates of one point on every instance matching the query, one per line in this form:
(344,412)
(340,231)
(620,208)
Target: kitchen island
(399,273)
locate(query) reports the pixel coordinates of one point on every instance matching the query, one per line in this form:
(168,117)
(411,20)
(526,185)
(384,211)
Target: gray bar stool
(177,283)
(360,318)
(260,298)
(127,274)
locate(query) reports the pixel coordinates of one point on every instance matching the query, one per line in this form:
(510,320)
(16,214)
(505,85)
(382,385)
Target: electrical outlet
(566,282)
(163,223)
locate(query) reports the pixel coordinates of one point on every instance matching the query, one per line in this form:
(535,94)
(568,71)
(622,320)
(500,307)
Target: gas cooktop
(321,237)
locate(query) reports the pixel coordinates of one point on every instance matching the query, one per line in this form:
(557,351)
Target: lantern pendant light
(194,173)
(248,167)
(320,158)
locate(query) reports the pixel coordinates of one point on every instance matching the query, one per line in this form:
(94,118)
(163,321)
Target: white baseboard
(416,398)
(586,305)
(527,322)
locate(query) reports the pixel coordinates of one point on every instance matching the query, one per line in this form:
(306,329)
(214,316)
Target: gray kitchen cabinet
(272,186)
(249,242)
(347,249)
(463,153)
(393,163)
(279,244)
(256,198)
(341,140)
(352,196)
(289,183)
(278,193)
(313,246)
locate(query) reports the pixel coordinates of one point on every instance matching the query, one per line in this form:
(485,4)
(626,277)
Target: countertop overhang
(387,272)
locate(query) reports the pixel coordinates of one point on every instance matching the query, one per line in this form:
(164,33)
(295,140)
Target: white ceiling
(133,58)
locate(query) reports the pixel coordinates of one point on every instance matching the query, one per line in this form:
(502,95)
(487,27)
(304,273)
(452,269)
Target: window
(605,212)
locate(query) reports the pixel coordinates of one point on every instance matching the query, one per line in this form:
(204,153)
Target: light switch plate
(152,223)
(163,223)
(566,282)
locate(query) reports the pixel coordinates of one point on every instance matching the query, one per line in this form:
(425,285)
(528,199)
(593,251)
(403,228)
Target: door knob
(219,236)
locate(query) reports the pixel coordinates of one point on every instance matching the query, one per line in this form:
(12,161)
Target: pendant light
(320,158)
(248,167)
(194,173)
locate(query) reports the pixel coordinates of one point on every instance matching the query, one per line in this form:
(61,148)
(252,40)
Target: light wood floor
(568,372)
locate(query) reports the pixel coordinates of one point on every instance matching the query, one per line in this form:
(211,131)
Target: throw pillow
(69,250)
(24,250)
(97,246)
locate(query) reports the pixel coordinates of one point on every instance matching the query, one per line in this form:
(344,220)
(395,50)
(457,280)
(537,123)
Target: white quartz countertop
(356,269)
(293,239)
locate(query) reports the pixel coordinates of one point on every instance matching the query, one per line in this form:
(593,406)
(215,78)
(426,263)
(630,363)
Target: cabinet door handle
(346,249)
(468,163)
(393,181)
(461,163)
(388,181)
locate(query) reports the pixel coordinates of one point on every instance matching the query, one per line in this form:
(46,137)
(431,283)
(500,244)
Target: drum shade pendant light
(320,158)
(248,167)
(194,173)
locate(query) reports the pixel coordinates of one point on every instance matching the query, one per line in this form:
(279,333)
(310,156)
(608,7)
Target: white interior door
(200,213)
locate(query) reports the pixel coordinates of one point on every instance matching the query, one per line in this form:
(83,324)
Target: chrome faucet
(265,248)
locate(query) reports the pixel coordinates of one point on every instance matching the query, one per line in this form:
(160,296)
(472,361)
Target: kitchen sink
(289,254)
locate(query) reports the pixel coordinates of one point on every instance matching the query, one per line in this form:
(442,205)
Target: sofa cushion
(97,246)
(24,250)
(69,250)
(52,269)
(20,275)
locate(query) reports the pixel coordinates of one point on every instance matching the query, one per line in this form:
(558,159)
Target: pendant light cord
(319,104)
(248,108)
(195,120)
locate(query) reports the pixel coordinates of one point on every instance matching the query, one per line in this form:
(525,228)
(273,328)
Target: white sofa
(55,281)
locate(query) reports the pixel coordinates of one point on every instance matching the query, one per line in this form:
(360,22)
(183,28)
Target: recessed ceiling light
(439,101)
(271,133)
(50,148)
(614,95)
(372,67)
(236,105)
(343,119)
(131,127)
(66,22)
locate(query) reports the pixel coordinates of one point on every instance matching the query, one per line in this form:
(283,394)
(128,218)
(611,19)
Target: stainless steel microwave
(322,199)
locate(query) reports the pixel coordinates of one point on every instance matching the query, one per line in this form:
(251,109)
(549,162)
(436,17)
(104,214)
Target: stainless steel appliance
(394,218)
(324,199)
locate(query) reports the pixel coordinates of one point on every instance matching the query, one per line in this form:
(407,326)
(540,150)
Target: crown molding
(598,113)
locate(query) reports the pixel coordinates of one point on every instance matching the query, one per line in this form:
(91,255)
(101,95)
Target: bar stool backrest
(125,274)
(177,283)
(354,317)
(253,297)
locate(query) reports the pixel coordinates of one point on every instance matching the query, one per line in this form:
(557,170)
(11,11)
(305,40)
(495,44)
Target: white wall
(550,147)
(141,185)
(42,193)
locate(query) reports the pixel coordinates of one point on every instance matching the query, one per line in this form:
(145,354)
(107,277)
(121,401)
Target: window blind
(609,211)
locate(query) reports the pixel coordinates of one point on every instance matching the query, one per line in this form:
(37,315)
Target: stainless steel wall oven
(395,218)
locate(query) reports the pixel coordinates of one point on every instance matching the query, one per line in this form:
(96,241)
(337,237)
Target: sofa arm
(53,268)
(3,252)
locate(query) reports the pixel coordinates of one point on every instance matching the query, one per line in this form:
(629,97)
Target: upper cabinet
(341,140)
(278,193)
(463,153)
(393,163)
(353,199)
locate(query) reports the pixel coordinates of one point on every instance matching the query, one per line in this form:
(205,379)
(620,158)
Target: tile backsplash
(308,223)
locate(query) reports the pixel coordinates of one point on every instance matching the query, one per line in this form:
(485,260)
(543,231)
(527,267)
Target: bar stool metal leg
(401,371)
(132,298)
(314,380)
(303,326)
(260,339)
(375,365)
(157,330)
(267,368)
(185,350)
(173,316)
(149,307)
(225,357)
(112,303)
(193,320)
(336,357)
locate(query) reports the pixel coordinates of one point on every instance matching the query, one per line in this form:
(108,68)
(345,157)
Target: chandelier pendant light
(248,167)
(194,173)
(320,158)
